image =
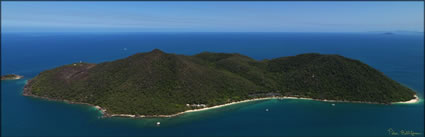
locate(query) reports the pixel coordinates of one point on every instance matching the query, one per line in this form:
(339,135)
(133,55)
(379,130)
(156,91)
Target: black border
(1,30)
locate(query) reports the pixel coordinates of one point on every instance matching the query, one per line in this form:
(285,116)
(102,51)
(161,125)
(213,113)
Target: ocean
(399,56)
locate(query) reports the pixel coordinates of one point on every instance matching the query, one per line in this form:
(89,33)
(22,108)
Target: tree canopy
(156,83)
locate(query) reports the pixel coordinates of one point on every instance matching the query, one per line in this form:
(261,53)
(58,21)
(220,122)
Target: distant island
(159,84)
(11,77)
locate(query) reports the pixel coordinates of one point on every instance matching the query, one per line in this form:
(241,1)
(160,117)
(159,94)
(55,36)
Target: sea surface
(399,56)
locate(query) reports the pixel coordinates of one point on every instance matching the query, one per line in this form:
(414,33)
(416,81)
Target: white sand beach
(412,101)
(415,100)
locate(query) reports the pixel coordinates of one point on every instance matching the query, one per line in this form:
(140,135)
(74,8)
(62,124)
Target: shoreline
(16,77)
(105,114)
(412,101)
(27,92)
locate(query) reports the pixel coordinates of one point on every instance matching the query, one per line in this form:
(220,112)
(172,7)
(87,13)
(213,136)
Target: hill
(158,83)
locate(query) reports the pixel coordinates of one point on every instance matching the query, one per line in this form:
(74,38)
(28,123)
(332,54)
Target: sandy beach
(415,100)
(27,92)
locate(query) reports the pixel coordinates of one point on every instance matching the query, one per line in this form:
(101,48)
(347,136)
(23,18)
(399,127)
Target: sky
(211,16)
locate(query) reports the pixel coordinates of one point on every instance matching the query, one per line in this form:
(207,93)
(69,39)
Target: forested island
(11,77)
(162,84)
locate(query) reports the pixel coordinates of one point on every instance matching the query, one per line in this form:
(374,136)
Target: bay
(401,57)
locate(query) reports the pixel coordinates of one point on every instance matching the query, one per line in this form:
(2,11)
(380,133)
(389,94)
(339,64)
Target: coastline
(16,77)
(27,92)
(412,101)
(415,100)
(103,111)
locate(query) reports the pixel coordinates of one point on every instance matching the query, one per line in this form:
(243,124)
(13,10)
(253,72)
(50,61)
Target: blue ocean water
(400,57)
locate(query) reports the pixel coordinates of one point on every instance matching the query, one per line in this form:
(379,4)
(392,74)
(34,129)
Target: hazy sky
(212,16)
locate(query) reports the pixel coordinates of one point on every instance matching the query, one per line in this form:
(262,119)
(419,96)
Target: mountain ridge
(159,83)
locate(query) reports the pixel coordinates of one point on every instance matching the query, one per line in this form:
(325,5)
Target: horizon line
(212,31)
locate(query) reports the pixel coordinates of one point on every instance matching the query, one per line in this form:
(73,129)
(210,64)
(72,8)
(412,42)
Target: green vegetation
(159,83)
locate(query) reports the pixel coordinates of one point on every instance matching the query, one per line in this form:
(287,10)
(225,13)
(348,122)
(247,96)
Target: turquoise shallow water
(398,56)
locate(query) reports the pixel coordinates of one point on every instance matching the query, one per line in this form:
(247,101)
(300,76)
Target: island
(11,77)
(388,33)
(159,84)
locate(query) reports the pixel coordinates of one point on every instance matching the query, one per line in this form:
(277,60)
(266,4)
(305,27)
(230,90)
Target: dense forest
(156,83)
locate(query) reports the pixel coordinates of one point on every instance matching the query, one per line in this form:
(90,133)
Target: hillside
(156,83)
